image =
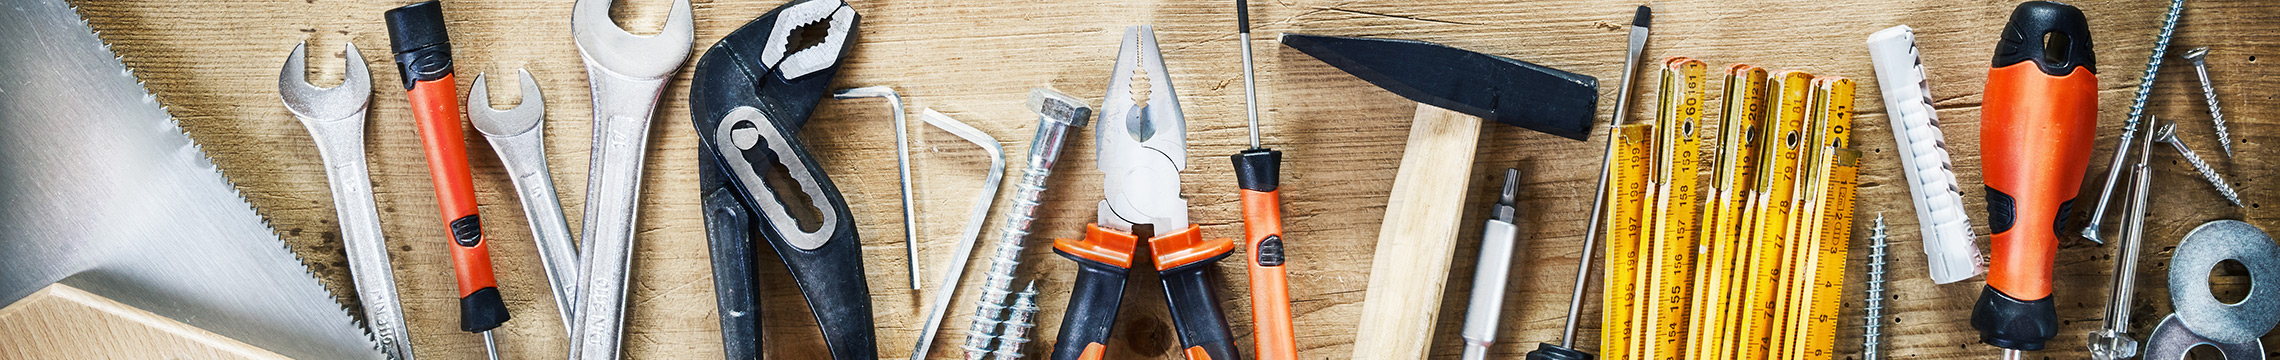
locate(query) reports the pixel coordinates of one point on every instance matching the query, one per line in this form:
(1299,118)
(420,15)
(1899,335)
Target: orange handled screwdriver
(1258,171)
(423,54)
(2039,123)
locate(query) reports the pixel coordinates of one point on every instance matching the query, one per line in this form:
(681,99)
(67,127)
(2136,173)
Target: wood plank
(214,63)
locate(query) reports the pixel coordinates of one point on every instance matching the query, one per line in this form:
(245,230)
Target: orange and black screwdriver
(423,54)
(2038,124)
(1258,171)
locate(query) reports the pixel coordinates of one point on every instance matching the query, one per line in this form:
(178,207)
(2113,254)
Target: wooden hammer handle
(1418,238)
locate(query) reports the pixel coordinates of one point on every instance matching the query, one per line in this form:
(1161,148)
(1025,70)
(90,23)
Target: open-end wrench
(626,72)
(519,139)
(335,118)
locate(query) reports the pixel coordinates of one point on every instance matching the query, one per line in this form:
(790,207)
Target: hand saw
(107,194)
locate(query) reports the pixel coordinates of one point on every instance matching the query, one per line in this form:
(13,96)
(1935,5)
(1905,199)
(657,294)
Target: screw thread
(1872,330)
(2207,173)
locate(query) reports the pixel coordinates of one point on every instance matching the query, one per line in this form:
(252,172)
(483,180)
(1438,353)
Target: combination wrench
(626,73)
(335,118)
(517,135)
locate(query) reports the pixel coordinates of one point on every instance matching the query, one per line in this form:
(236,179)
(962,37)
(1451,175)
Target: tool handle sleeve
(1195,312)
(1093,301)
(1258,173)
(2038,124)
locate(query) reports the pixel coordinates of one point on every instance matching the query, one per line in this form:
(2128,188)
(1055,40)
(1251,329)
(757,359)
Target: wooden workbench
(215,64)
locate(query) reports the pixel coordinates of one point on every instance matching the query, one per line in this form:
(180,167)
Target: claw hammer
(1456,89)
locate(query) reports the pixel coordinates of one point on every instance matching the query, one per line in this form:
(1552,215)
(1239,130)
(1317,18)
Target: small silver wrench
(626,73)
(517,135)
(335,118)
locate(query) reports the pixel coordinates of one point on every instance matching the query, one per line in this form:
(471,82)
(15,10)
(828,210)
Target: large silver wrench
(517,135)
(335,118)
(626,73)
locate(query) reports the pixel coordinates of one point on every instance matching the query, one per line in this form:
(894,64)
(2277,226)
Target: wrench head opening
(607,46)
(524,117)
(316,103)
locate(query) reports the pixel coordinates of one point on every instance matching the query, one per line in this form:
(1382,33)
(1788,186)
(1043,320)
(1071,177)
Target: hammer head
(1491,87)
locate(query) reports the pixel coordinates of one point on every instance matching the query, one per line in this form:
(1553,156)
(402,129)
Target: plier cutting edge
(752,93)
(1143,146)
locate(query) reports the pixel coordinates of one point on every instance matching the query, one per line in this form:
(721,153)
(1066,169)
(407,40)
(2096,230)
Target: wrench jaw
(748,115)
(608,47)
(523,118)
(312,103)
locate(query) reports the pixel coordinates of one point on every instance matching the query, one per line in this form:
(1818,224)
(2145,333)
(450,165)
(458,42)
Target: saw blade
(106,193)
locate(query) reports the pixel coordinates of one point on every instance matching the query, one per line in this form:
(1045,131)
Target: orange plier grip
(1182,260)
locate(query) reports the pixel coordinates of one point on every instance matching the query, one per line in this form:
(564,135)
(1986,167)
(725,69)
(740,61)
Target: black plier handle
(1183,260)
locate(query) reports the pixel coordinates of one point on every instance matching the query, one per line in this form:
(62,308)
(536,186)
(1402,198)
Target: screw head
(2197,54)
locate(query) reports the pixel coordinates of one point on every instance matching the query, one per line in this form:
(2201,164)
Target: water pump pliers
(1143,146)
(752,92)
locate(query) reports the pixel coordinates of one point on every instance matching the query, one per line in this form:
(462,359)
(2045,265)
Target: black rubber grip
(2055,36)
(467,231)
(1188,291)
(2006,322)
(1093,301)
(1258,169)
(735,278)
(1555,352)
(420,42)
(2002,211)
(482,310)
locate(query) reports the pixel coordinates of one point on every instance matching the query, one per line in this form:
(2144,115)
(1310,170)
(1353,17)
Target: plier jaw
(1143,147)
(1143,140)
(751,94)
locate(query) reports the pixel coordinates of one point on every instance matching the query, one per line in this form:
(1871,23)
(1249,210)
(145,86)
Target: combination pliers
(752,92)
(1143,146)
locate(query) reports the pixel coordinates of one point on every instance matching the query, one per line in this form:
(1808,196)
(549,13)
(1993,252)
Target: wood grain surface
(215,64)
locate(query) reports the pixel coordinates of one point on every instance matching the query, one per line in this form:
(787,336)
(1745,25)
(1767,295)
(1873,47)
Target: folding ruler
(1823,228)
(1722,215)
(1625,201)
(1670,247)
(1787,91)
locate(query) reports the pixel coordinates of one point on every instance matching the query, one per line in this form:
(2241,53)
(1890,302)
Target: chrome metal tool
(335,118)
(1057,115)
(106,194)
(902,168)
(1637,43)
(626,73)
(955,269)
(2137,111)
(2113,341)
(518,135)
(1498,239)
(753,92)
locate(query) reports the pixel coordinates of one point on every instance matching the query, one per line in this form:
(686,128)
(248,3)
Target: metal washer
(2201,250)
(2173,340)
